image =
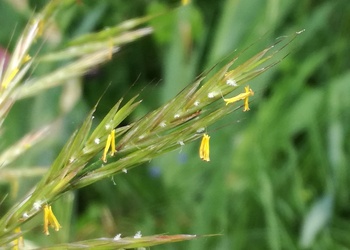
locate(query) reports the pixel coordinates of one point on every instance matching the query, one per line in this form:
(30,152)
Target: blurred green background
(279,175)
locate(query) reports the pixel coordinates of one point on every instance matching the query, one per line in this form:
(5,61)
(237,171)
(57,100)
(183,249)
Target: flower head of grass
(166,128)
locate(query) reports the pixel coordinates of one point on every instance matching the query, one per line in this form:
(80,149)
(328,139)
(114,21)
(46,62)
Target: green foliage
(278,174)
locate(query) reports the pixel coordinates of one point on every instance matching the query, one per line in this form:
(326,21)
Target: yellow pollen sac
(246,105)
(110,143)
(50,220)
(185,2)
(243,96)
(18,243)
(204,148)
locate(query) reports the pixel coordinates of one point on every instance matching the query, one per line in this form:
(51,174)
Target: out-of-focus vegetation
(278,176)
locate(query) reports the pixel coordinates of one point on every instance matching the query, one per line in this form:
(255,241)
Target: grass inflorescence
(118,147)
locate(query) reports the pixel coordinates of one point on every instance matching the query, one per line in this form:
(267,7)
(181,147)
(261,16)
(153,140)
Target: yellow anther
(243,96)
(18,243)
(110,143)
(204,148)
(113,150)
(50,220)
